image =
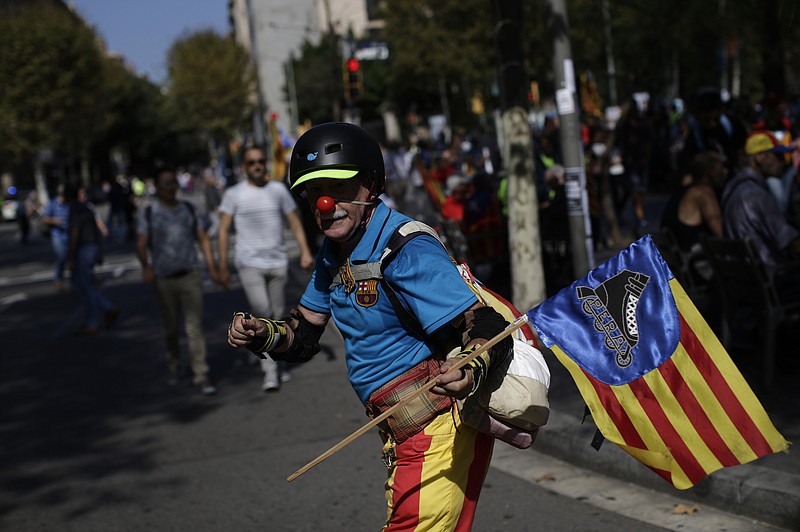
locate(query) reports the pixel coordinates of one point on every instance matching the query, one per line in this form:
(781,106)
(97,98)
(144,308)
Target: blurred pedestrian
(27,211)
(213,198)
(750,211)
(117,221)
(458,190)
(56,217)
(86,234)
(165,245)
(710,127)
(694,210)
(258,208)
(635,143)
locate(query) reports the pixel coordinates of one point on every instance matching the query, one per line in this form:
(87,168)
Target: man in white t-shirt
(258,207)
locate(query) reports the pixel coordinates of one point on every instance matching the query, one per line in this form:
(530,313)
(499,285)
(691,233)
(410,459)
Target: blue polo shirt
(58,209)
(377,346)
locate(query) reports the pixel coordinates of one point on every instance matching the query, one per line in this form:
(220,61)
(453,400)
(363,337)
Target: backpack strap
(404,234)
(401,236)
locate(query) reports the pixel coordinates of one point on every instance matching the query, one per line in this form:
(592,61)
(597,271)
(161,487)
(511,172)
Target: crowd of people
(685,150)
(729,170)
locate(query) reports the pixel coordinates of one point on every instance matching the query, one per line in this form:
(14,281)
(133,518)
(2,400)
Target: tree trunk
(527,273)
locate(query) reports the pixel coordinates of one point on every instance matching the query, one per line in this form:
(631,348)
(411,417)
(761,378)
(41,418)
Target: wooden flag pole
(516,324)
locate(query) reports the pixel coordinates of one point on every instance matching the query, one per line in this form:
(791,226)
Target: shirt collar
(367,245)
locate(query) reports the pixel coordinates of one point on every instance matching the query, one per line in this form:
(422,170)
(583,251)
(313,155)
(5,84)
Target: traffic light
(353,80)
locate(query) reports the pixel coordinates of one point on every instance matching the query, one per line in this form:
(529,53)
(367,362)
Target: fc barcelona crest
(367,293)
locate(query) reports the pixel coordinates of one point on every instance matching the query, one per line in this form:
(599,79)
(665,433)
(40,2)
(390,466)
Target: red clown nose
(326,205)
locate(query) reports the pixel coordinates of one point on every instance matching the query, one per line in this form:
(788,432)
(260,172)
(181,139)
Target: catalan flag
(656,379)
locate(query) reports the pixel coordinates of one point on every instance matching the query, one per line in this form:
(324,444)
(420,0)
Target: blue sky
(143,30)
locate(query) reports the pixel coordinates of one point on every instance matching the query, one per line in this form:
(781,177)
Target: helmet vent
(333,148)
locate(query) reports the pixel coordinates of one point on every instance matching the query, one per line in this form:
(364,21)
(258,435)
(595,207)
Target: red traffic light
(353,64)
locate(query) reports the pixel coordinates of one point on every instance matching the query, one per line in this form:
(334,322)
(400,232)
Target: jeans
(95,302)
(60,244)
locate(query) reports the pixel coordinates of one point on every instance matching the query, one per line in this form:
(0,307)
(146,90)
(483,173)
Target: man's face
(770,163)
(340,224)
(255,165)
(167,187)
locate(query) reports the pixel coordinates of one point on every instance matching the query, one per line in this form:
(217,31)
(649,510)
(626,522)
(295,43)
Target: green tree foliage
(657,46)
(433,45)
(211,81)
(50,96)
(318,80)
(142,124)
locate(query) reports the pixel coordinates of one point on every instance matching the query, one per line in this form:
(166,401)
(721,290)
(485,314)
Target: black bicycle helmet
(337,150)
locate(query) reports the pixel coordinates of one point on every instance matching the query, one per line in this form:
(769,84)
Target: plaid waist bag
(415,416)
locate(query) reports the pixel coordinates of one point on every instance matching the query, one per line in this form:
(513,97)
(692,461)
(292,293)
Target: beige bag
(515,393)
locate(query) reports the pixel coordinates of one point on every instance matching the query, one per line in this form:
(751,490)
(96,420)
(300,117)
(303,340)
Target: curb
(761,493)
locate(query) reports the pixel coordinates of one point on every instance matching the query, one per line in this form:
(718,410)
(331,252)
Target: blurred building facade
(274,30)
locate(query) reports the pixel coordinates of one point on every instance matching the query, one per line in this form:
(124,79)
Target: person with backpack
(437,462)
(165,246)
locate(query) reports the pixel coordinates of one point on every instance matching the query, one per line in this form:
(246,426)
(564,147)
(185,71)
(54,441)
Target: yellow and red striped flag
(655,377)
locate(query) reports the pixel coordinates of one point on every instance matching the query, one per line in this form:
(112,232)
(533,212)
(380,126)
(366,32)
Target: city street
(93,439)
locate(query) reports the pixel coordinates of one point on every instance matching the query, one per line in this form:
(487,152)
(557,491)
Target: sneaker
(208,389)
(84,330)
(285,376)
(111,317)
(271,383)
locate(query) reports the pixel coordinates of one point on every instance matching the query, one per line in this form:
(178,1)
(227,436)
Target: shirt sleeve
(286,200)
(228,203)
(317,295)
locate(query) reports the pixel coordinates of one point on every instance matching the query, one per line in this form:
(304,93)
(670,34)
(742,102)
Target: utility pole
(610,68)
(580,228)
(524,239)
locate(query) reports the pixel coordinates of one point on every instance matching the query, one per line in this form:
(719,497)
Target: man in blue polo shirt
(432,455)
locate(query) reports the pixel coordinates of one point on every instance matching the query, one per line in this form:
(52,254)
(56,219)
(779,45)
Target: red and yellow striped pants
(437,476)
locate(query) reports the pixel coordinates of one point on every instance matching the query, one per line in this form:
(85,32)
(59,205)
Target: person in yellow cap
(436,461)
(751,211)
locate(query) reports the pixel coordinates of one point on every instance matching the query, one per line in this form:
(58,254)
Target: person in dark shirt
(751,211)
(86,234)
(694,210)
